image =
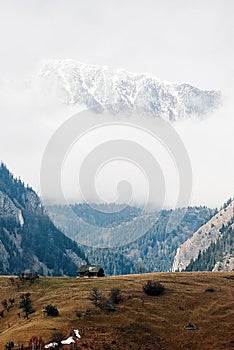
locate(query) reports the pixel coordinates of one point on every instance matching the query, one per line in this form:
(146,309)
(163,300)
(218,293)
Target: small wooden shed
(91,271)
(28,275)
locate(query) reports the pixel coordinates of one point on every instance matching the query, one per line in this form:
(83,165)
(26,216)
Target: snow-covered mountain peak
(97,87)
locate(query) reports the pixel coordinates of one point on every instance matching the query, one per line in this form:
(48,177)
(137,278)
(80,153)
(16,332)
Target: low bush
(96,296)
(115,295)
(9,345)
(51,310)
(5,305)
(78,314)
(57,337)
(107,306)
(153,288)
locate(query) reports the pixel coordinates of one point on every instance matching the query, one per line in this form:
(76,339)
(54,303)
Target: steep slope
(220,254)
(101,88)
(157,248)
(209,243)
(154,249)
(28,238)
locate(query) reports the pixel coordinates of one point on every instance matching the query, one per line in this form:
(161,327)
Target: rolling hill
(143,322)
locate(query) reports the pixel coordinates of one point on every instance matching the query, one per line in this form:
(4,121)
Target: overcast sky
(175,40)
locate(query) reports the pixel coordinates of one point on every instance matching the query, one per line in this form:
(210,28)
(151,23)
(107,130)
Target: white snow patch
(21,219)
(69,340)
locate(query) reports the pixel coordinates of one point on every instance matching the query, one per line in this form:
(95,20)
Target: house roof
(89,268)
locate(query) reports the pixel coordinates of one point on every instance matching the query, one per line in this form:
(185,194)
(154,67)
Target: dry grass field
(139,322)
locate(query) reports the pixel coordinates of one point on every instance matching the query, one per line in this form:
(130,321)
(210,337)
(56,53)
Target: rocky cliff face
(226,264)
(9,209)
(204,237)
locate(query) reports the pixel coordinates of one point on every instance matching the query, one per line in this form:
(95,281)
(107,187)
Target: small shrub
(210,290)
(96,296)
(115,295)
(51,310)
(78,314)
(5,304)
(153,288)
(9,345)
(26,304)
(2,313)
(57,337)
(107,306)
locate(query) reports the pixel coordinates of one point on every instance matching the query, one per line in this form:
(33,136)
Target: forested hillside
(28,238)
(154,250)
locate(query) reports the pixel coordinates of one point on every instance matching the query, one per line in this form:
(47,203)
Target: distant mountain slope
(99,87)
(155,249)
(210,245)
(93,227)
(28,238)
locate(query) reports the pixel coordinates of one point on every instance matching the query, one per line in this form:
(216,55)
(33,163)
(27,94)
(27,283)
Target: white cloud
(209,143)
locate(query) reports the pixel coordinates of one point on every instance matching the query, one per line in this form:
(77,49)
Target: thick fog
(182,41)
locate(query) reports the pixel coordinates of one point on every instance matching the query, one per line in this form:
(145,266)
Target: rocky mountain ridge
(101,88)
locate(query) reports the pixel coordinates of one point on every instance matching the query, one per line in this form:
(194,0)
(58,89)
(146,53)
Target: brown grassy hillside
(139,322)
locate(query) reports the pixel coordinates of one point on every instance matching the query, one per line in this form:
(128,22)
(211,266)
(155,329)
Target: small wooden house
(28,275)
(91,271)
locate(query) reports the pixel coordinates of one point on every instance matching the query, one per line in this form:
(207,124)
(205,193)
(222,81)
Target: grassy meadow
(140,322)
